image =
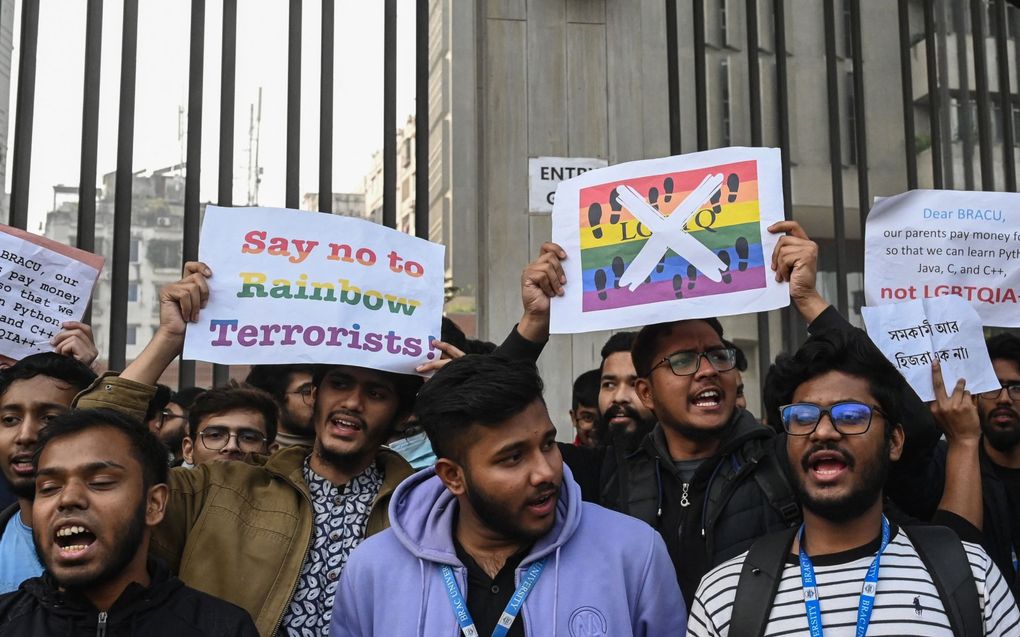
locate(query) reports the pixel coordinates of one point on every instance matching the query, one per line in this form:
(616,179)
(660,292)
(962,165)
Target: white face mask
(416,449)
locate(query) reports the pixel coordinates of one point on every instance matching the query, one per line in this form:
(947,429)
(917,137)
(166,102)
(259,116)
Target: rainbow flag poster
(668,239)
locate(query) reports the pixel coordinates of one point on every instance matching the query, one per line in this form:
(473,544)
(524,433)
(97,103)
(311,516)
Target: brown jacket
(237,531)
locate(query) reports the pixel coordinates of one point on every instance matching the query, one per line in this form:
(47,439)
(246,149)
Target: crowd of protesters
(348,501)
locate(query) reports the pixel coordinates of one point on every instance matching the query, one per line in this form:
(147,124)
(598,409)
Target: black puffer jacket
(734,497)
(166,607)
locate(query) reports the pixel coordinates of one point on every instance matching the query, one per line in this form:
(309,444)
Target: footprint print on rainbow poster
(729,227)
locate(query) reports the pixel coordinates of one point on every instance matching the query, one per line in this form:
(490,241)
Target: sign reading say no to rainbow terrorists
(302,287)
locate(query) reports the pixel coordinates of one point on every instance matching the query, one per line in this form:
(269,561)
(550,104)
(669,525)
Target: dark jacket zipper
(101,626)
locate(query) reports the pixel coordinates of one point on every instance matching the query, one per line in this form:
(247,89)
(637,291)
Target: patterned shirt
(340,517)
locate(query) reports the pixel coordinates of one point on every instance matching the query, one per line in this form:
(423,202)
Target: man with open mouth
(848,566)
(33,391)
(495,539)
(100,488)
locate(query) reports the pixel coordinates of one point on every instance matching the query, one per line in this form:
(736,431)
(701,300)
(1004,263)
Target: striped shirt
(907,602)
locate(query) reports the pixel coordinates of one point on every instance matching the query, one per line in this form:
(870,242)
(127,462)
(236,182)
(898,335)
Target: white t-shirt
(907,602)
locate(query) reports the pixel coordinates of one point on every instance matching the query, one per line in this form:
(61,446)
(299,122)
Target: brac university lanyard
(513,607)
(867,602)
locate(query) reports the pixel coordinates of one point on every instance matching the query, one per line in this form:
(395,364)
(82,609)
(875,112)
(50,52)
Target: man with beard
(33,391)
(848,567)
(273,536)
(291,387)
(623,419)
(100,489)
(495,539)
(994,462)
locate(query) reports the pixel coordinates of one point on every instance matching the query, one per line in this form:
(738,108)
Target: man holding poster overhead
(280,559)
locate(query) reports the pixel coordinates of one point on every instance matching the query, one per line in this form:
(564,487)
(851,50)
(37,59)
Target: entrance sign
(668,239)
(303,287)
(927,243)
(546,173)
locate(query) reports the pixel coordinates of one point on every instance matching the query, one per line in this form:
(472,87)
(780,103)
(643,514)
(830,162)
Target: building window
(132,334)
(132,292)
(848,42)
(851,121)
(135,243)
(164,253)
(724,93)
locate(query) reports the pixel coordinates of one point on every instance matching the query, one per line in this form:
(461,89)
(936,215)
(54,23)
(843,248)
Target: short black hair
(146,448)
(619,342)
(586,389)
(158,402)
(647,342)
(474,390)
(275,378)
(405,385)
(850,352)
(234,396)
(741,357)
(1004,346)
(63,368)
(186,397)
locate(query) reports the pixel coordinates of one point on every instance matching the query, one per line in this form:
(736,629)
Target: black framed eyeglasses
(687,362)
(1012,390)
(166,416)
(248,440)
(850,417)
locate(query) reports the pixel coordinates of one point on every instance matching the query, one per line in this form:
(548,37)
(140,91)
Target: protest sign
(913,334)
(43,284)
(666,239)
(301,287)
(927,243)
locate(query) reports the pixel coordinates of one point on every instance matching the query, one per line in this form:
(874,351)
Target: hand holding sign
(956,414)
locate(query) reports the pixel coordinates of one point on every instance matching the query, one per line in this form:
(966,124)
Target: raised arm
(179,304)
(957,415)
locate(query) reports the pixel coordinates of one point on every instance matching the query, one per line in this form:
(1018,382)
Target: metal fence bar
(860,128)
(835,156)
(934,103)
(1005,96)
(977,29)
(228,74)
(754,108)
(966,125)
(907,86)
(673,76)
(700,86)
(292,195)
(326,110)
(86,236)
(193,173)
(25,115)
(782,100)
(389,216)
(422,199)
(122,195)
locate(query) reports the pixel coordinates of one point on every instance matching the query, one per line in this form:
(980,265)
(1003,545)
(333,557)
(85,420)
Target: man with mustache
(33,391)
(995,464)
(495,539)
(100,488)
(848,567)
(623,418)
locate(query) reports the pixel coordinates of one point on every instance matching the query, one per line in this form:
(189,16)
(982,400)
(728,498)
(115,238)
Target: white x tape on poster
(669,233)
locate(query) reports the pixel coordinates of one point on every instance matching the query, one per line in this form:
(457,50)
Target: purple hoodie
(607,574)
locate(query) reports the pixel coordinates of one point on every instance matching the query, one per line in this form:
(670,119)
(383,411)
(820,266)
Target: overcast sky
(162,87)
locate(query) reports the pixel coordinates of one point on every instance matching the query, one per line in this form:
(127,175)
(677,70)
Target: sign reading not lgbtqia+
(302,287)
(926,243)
(43,284)
(666,239)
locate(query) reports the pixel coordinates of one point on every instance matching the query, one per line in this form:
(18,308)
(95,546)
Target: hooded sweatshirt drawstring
(556,590)
(658,489)
(422,601)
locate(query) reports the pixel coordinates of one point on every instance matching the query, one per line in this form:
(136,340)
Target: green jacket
(238,531)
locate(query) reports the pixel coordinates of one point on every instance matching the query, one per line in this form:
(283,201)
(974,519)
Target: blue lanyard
(867,602)
(513,607)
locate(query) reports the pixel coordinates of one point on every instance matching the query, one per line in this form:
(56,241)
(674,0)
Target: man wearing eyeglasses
(849,567)
(231,423)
